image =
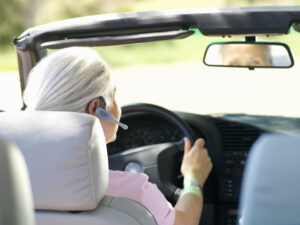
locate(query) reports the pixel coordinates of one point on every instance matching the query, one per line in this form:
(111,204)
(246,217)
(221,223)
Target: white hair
(67,80)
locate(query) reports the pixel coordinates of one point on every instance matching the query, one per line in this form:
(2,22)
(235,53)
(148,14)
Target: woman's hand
(196,161)
(197,164)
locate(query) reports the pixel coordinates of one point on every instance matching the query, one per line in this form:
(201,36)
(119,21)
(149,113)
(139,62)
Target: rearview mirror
(249,55)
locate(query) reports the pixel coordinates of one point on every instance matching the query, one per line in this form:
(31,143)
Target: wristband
(191,186)
(191,190)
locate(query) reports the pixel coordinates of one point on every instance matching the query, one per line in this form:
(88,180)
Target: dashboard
(228,140)
(144,130)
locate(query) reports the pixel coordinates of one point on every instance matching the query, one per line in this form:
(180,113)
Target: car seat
(67,162)
(271,185)
(16,205)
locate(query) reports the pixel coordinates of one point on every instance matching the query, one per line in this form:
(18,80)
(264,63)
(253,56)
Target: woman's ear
(92,106)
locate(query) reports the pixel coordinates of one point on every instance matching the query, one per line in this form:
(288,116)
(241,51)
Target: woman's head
(71,79)
(67,80)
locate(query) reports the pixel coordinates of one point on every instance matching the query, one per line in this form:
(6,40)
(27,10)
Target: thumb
(187,145)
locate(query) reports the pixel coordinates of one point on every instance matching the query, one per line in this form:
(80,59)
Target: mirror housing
(249,55)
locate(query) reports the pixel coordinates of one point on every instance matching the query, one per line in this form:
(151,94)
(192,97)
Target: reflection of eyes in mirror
(245,55)
(238,62)
(248,55)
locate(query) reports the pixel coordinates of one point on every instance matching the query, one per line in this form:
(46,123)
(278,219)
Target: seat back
(16,205)
(68,167)
(271,185)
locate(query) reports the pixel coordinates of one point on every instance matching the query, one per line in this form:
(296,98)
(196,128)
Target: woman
(77,80)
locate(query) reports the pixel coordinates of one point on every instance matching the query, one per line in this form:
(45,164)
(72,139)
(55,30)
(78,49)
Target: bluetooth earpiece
(102,113)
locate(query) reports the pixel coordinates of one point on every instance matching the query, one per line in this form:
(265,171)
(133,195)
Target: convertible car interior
(153,144)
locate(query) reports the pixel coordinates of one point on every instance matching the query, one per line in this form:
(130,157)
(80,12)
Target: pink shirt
(136,186)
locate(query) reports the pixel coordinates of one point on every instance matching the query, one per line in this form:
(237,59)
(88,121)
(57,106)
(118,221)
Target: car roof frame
(245,21)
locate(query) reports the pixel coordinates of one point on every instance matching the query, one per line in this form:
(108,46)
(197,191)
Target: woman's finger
(187,145)
(200,142)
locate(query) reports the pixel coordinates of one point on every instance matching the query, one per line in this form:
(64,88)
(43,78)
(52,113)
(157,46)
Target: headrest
(65,154)
(271,185)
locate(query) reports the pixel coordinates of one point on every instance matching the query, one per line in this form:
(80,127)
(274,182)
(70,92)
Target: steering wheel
(161,162)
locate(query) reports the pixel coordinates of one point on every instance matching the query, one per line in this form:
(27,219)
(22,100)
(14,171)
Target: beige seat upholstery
(16,205)
(271,186)
(67,162)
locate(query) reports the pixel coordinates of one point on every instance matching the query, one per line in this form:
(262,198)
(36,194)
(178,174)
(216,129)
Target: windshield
(172,74)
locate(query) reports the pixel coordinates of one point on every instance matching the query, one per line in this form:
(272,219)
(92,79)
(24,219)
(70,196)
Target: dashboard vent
(236,136)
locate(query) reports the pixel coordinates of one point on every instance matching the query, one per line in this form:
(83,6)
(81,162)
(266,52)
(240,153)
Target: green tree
(11,21)
(53,10)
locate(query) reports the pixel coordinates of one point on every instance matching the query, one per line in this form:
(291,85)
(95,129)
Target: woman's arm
(196,164)
(188,210)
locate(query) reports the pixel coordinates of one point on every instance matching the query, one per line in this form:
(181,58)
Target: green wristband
(191,186)
(191,190)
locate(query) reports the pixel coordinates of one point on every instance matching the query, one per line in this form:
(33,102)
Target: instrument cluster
(142,131)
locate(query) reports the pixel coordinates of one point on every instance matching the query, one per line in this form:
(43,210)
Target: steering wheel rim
(165,154)
(162,113)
